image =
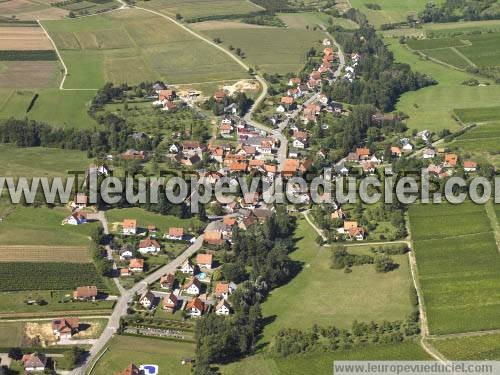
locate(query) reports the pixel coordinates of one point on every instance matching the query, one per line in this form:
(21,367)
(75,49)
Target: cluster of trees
(382,80)
(456,10)
(342,259)
(260,257)
(293,341)
(112,134)
(265,20)
(242,102)
(102,264)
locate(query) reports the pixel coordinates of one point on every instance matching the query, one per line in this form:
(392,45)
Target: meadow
(390,11)
(35,226)
(11,334)
(272,50)
(12,303)
(124,350)
(458,263)
(320,363)
(53,106)
(481,142)
(116,47)
(431,108)
(301,20)
(463,51)
(40,161)
(116,216)
(473,348)
(193,9)
(479,114)
(324,296)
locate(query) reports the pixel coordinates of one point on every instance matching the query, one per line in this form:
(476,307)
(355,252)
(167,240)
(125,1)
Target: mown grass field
(479,114)
(42,226)
(432,107)
(192,9)
(301,20)
(481,142)
(273,50)
(53,106)
(324,296)
(143,217)
(117,47)
(11,334)
(321,363)
(462,51)
(458,263)
(472,348)
(124,350)
(391,11)
(12,303)
(40,161)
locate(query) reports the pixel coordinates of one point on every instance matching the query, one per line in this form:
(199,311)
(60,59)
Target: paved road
(125,299)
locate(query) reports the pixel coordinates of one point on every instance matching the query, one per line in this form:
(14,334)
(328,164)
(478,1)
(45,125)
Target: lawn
(40,161)
(473,348)
(116,47)
(116,216)
(431,108)
(320,363)
(323,296)
(273,50)
(56,107)
(12,303)
(192,9)
(301,20)
(458,264)
(123,350)
(29,225)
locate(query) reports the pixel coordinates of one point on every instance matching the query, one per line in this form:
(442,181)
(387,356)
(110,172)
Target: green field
(311,19)
(473,348)
(123,350)
(192,9)
(273,50)
(463,51)
(143,217)
(431,108)
(481,142)
(42,226)
(117,47)
(56,107)
(391,11)
(479,114)
(320,363)
(40,161)
(452,29)
(324,296)
(47,276)
(12,303)
(458,263)
(11,334)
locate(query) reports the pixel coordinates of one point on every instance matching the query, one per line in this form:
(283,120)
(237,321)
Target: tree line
(258,260)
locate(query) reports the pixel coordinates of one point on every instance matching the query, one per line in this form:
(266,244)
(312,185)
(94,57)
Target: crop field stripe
(62,254)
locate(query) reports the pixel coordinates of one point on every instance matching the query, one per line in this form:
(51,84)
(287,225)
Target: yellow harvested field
(24,38)
(29,74)
(64,254)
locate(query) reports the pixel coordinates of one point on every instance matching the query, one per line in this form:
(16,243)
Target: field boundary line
(65,74)
(490,212)
(457,236)
(469,61)
(7,98)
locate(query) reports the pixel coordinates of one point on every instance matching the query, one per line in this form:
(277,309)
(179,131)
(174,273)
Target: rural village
(235,89)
